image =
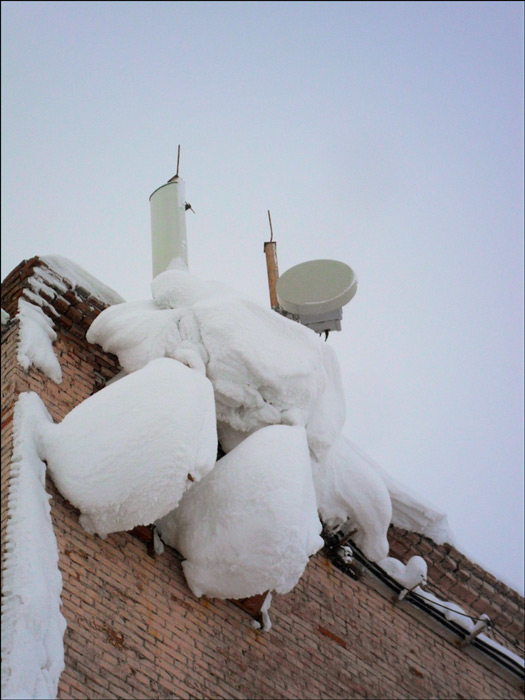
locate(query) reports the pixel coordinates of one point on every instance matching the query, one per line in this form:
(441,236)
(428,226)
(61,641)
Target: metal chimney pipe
(168,223)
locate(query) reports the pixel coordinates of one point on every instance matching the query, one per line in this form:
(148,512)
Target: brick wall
(453,576)
(136,631)
(8,388)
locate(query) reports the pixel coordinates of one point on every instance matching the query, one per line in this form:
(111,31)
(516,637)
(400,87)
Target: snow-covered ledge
(32,624)
(36,314)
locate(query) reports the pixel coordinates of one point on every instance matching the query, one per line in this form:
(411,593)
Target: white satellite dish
(314,292)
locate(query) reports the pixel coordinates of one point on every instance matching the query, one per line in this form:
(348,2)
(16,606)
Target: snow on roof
(265,369)
(137,332)
(77,277)
(348,489)
(37,332)
(250,525)
(32,624)
(130,472)
(409,510)
(246,524)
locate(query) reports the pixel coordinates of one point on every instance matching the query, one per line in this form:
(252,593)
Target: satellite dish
(315,291)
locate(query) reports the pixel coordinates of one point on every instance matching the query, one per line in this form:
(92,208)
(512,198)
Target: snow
(177,263)
(414,574)
(266,622)
(77,276)
(37,332)
(177,288)
(5,317)
(202,363)
(36,337)
(32,624)
(452,611)
(409,575)
(265,369)
(37,299)
(345,553)
(140,331)
(503,650)
(250,525)
(125,455)
(349,489)
(38,285)
(409,510)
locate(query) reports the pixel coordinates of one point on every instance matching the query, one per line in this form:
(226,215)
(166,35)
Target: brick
(61,305)
(135,630)
(71,297)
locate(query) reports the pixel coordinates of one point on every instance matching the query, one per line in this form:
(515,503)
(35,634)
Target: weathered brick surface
(134,629)
(9,341)
(454,577)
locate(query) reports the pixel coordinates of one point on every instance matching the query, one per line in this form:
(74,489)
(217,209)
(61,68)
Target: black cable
(332,543)
(433,602)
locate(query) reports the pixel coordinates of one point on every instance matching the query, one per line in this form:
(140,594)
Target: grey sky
(386,135)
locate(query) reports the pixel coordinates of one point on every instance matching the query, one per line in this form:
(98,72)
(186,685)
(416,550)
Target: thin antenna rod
(271,228)
(176,176)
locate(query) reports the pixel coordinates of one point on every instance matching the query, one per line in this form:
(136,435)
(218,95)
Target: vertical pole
(168,223)
(272,267)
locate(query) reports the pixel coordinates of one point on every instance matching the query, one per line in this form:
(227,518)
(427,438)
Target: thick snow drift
(126,455)
(265,369)
(348,489)
(32,624)
(250,525)
(409,510)
(139,331)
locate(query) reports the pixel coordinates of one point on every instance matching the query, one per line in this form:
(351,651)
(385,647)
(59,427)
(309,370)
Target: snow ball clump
(126,455)
(137,332)
(349,490)
(250,525)
(409,575)
(265,369)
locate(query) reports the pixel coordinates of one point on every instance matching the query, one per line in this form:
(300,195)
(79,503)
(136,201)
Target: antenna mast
(176,176)
(272,267)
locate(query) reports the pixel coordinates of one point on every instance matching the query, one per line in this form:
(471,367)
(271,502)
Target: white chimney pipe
(168,224)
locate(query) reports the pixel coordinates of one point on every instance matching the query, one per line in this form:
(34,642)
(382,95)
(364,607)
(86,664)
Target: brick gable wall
(136,631)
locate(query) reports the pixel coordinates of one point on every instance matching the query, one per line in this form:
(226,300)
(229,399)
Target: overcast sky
(386,135)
